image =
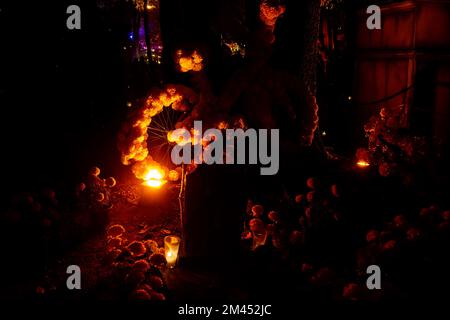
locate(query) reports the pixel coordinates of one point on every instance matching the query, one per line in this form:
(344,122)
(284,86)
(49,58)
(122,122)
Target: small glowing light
(154,183)
(362,164)
(349,98)
(174,175)
(234,47)
(154,178)
(324,133)
(129,104)
(154,174)
(151,7)
(171,248)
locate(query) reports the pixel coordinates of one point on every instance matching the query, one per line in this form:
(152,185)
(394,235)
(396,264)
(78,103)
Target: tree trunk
(136,27)
(147,31)
(311,36)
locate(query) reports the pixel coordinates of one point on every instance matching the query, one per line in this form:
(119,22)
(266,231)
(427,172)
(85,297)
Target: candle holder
(171,248)
(155,197)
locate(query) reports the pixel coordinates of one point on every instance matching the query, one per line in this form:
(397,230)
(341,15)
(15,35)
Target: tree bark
(147,31)
(311,36)
(136,26)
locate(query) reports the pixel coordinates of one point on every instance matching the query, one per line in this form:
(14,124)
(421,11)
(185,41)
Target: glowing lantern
(171,248)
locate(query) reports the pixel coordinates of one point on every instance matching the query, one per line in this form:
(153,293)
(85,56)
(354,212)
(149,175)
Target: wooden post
(182,206)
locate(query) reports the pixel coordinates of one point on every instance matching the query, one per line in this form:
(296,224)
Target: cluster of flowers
(43,215)
(397,242)
(309,234)
(310,208)
(96,191)
(136,264)
(50,220)
(390,146)
(330,4)
(40,211)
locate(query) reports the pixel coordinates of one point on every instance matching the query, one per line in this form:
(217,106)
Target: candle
(363,164)
(154,188)
(171,259)
(171,247)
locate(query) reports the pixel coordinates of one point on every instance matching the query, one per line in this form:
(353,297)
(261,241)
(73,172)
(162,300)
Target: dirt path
(142,221)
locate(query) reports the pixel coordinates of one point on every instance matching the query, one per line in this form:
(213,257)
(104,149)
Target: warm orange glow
(196,137)
(171,247)
(153,183)
(222,125)
(189,62)
(178,136)
(269,14)
(154,178)
(154,174)
(234,47)
(171,259)
(362,164)
(132,139)
(171,136)
(174,175)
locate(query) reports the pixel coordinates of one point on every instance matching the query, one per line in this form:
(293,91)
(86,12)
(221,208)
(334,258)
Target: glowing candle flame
(171,247)
(154,178)
(362,164)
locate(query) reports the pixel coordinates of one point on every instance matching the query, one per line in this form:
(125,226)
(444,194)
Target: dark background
(60,94)
(63,93)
